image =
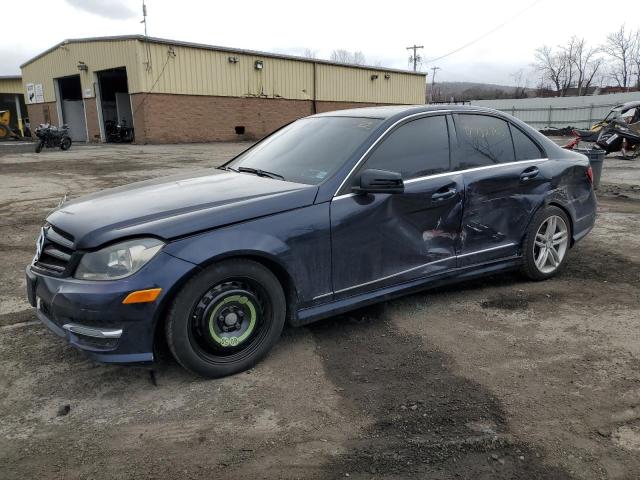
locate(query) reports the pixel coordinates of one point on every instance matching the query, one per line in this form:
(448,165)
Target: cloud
(12,57)
(115,9)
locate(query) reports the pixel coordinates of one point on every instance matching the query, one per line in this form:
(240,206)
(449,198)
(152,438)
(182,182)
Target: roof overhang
(202,46)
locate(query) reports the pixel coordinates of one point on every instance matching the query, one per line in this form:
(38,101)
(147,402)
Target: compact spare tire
(546,244)
(226,318)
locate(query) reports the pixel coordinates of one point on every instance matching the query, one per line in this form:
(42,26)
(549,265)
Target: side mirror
(379,181)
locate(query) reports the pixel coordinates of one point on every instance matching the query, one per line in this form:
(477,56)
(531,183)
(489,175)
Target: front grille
(56,252)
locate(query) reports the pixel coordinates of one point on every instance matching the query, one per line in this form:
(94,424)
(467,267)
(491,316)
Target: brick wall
(330,106)
(42,113)
(91,114)
(165,118)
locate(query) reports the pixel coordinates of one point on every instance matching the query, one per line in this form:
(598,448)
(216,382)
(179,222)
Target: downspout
(314,106)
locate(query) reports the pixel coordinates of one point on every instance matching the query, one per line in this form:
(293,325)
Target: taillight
(590,174)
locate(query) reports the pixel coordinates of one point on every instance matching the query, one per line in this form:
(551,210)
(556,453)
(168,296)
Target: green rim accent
(233,341)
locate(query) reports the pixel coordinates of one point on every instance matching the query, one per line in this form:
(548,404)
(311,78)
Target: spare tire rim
(228,318)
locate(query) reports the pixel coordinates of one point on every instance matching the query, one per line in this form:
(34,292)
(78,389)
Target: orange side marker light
(142,296)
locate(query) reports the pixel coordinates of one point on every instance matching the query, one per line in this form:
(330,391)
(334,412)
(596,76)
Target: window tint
(415,149)
(482,140)
(525,148)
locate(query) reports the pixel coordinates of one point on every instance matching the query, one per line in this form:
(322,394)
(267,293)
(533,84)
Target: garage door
(73,115)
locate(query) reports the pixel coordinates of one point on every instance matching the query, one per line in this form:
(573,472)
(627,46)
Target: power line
(415,58)
(481,37)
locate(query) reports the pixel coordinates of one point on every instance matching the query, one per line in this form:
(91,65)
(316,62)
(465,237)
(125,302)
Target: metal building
(12,102)
(172,91)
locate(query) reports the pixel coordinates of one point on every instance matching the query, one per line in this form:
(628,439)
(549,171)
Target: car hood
(176,206)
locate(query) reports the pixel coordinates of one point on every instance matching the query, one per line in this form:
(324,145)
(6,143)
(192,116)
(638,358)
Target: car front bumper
(90,315)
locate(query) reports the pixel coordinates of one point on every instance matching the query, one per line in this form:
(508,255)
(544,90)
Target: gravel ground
(496,378)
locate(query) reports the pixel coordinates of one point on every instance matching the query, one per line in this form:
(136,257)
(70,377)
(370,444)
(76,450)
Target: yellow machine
(5,128)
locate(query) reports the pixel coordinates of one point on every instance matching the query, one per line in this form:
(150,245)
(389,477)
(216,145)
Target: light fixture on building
(374,76)
(258,65)
(83,67)
(233,60)
(387,76)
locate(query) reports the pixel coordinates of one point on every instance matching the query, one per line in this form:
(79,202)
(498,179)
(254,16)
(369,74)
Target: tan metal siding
(179,69)
(10,85)
(63,61)
(197,71)
(344,84)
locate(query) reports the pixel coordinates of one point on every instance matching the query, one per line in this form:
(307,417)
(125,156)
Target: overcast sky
(381,30)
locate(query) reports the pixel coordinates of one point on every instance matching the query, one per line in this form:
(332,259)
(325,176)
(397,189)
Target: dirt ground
(496,378)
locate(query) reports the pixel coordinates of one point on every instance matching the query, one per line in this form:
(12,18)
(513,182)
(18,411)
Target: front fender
(298,241)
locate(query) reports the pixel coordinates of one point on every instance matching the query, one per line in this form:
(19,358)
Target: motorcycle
(52,137)
(118,132)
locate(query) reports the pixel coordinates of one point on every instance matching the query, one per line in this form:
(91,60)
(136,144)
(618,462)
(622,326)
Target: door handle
(441,195)
(529,173)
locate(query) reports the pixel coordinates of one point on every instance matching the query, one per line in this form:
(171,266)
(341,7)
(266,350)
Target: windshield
(308,150)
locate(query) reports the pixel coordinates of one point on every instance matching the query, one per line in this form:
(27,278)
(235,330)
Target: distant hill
(444,91)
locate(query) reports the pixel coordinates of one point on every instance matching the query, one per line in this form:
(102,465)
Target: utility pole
(147,47)
(433,82)
(144,17)
(415,58)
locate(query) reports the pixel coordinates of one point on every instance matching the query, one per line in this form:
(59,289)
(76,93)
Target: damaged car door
(506,176)
(382,239)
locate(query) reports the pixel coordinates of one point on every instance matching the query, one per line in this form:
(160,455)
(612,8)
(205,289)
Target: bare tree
(309,53)
(521,83)
(345,56)
(585,62)
(574,64)
(635,57)
(620,46)
(359,58)
(566,55)
(553,66)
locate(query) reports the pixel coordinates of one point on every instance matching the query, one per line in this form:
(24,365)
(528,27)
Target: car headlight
(119,260)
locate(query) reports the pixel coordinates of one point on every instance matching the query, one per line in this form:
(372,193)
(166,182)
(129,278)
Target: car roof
(389,111)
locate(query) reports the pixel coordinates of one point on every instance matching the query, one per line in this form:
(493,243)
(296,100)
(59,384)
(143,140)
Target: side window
(525,148)
(416,149)
(482,140)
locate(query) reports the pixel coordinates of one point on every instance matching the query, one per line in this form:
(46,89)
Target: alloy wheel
(551,243)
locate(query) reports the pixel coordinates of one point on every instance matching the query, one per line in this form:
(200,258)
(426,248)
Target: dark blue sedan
(330,213)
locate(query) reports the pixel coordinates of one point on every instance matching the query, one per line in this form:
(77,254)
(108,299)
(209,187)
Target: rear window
(526,149)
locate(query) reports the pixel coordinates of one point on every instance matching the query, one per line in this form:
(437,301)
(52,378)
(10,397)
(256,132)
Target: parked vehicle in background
(618,131)
(5,126)
(118,132)
(52,137)
(619,136)
(330,213)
